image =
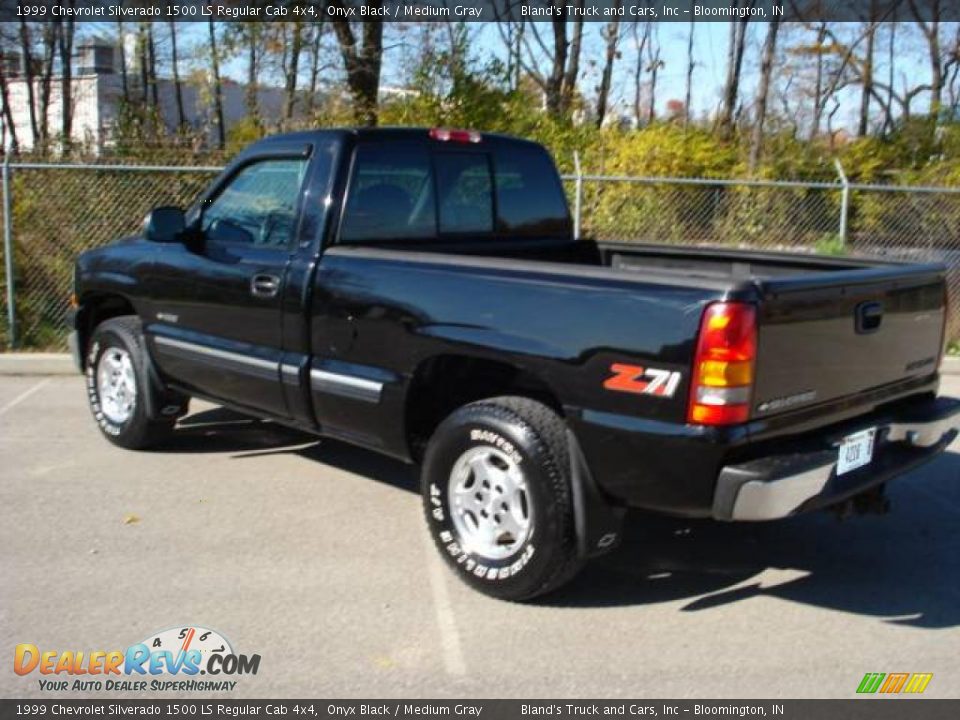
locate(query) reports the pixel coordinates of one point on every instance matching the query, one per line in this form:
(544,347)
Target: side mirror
(164,224)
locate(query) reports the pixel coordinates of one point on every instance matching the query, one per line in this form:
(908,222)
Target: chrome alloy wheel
(489,503)
(116,385)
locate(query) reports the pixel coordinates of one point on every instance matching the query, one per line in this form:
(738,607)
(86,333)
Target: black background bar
(472,10)
(872,708)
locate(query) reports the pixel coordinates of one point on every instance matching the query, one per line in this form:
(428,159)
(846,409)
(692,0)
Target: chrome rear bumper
(780,485)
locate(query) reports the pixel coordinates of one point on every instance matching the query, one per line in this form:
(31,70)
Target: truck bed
(725,264)
(708,263)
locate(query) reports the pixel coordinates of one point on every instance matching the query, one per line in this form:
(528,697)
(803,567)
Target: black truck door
(217,327)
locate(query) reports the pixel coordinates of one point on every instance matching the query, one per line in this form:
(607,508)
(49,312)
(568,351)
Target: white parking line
(23,396)
(453,661)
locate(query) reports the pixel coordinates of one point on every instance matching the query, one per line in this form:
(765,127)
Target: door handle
(869,317)
(264,286)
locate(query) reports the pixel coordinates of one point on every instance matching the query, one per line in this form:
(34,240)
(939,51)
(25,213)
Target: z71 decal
(642,380)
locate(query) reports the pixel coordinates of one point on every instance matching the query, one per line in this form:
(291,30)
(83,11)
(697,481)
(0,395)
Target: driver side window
(258,208)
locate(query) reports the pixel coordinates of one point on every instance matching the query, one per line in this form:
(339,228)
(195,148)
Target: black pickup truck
(420,293)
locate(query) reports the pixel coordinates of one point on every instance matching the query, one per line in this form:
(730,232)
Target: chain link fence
(918,224)
(57,211)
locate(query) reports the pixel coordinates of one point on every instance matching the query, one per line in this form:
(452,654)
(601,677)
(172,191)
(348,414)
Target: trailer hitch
(873,501)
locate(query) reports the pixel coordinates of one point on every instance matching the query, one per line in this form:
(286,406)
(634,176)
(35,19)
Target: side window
(530,199)
(465,193)
(390,195)
(258,208)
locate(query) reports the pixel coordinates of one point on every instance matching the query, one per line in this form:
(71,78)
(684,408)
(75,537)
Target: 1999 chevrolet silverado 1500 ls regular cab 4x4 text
(420,293)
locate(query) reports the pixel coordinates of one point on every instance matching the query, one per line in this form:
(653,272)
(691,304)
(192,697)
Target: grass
(831,245)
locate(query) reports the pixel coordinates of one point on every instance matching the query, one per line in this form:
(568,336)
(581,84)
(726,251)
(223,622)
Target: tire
(119,385)
(506,457)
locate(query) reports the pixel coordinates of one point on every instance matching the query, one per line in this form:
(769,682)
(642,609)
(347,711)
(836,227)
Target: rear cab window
(409,191)
(530,199)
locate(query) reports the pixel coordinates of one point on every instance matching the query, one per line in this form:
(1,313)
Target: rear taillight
(723,365)
(460,136)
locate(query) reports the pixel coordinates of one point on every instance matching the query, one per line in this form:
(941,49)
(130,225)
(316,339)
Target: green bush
(831,244)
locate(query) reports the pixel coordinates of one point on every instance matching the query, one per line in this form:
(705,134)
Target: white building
(97,97)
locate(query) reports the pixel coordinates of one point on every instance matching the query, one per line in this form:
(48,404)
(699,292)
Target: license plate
(855,451)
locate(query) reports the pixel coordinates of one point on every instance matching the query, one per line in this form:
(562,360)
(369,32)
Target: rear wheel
(119,385)
(496,493)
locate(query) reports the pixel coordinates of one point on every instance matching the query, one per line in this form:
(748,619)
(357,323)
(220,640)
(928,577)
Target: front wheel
(118,385)
(496,493)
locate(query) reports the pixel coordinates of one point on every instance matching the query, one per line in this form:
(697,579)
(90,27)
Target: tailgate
(836,334)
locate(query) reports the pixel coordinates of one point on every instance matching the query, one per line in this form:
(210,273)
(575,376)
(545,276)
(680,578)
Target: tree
(654,63)
(818,91)
(851,68)
(513,38)
(8,122)
(570,77)
(931,33)
(688,96)
(121,40)
(891,70)
(612,37)
(291,70)
(361,60)
(51,32)
(731,87)
(641,40)
(561,54)
(152,67)
(866,71)
(26,51)
(250,37)
(315,45)
(177,89)
(65,44)
(763,89)
(217,85)
(144,63)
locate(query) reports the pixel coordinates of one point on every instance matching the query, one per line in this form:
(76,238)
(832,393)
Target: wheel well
(444,383)
(94,311)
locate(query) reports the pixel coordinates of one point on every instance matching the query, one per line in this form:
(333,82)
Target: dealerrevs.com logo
(170,660)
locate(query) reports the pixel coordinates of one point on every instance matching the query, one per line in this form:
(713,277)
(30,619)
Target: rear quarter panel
(389,311)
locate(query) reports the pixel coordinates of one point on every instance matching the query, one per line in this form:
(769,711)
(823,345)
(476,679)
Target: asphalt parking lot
(313,554)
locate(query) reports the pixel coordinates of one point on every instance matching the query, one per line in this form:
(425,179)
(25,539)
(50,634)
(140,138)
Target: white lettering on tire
(92,396)
(498,441)
(482,571)
(437,503)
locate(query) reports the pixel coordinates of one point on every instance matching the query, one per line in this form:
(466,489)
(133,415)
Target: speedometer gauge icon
(190,637)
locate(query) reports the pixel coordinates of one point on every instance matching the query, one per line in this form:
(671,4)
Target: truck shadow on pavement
(903,568)
(227,431)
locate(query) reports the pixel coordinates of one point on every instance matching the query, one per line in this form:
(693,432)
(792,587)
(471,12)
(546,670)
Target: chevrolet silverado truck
(420,293)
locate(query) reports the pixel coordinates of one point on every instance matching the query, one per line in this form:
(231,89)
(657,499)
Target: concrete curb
(37,364)
(62,364)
